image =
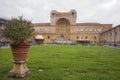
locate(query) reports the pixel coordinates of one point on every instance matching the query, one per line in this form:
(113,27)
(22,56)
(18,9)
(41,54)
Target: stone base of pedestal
(19,69)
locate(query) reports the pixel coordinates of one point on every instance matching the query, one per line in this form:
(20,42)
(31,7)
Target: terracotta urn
(20,51)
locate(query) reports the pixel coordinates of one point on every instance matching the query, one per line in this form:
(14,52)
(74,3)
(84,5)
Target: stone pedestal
(19,69)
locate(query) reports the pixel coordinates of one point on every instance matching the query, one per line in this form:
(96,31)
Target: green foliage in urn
(18,29)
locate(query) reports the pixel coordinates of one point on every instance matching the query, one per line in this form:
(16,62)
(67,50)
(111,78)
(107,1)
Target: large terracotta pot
(20,51)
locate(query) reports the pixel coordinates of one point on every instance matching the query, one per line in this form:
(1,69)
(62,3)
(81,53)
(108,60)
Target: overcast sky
(100,11)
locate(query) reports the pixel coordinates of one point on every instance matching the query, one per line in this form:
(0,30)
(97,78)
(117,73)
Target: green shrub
(18,29)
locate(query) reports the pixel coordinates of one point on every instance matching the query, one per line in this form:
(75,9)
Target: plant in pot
(19,31)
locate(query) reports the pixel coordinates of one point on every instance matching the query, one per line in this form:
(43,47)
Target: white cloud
(103,11)
(110,4)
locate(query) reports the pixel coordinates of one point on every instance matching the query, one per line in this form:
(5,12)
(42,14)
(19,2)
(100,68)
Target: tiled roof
(3,20)
(88,24)
(41,24)
(113,28)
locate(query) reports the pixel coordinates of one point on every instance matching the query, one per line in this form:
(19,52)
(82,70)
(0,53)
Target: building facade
(63,25)
(111,37)
(2,26)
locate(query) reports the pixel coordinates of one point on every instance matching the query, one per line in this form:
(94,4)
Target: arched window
(86,37)
(62,36)
(77,37)
(95,37)
(53,14)
(48,37)
(73,13)
(116,32)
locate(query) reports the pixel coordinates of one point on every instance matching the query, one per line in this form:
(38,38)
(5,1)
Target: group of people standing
(4,43)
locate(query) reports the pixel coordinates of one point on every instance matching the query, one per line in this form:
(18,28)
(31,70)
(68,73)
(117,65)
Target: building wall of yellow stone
(64,24)
(111,36)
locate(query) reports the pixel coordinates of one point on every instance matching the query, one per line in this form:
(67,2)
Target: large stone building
(63,25)
(111,37)
(2,25)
